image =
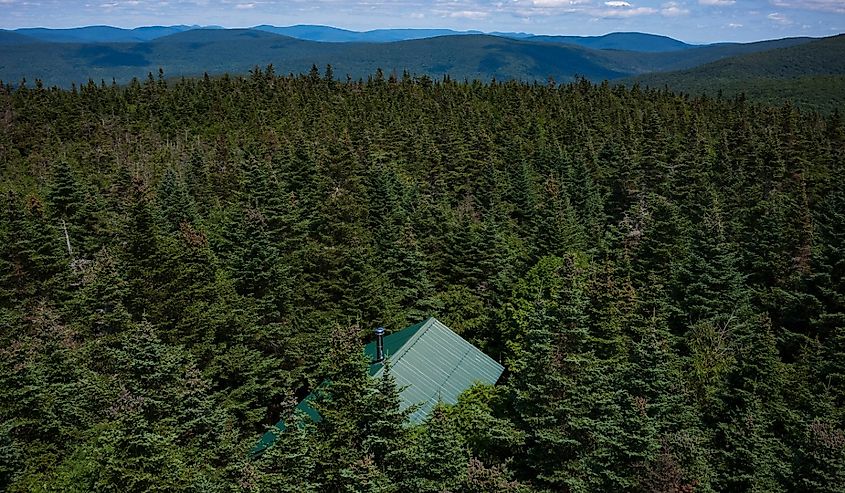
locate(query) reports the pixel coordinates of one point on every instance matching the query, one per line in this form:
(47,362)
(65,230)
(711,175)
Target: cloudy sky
(689,20)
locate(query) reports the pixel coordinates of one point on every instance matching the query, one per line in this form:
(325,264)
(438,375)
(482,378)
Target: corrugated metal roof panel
(429,362)
(437,365)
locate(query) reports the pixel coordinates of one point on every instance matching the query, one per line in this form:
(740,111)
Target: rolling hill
(217,51)
(620,41)
(108,34)
(336,35)
(817,57)
(645,62)
(811,74)
(13,38)
(101,34)
(804,69)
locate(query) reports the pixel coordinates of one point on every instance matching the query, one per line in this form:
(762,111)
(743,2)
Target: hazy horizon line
(218,26)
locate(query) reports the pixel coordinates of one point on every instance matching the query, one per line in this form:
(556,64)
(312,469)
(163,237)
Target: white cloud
(468,14)
(557,3)
(104,5)
(836,6)
(779,18)
(734,25)
(527,9)
(621,8)
(245,6)
(673,9)
(717,2)
(631,12)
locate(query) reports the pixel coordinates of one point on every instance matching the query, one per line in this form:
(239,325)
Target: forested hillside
(337,35)
(663,278)
(215,52)
(811,74)
(101,34)
(468,56)
(620,41)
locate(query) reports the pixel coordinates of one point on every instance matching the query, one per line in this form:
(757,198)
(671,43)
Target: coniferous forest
(662,276)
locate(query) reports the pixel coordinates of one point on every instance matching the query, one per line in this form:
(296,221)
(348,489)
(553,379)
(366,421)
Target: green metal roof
(392,344)
(430,361)
(435,364)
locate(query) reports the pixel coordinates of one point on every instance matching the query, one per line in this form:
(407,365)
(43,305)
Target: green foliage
(808,75)
(439,456)
(661,275)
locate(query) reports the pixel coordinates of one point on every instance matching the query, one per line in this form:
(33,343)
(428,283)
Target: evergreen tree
(361,428)
(661,274)
(554,372)
(177,206)
(439,456)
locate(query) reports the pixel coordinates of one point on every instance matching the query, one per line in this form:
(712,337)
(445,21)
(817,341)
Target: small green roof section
(393,343)
(429,362)
(434,364)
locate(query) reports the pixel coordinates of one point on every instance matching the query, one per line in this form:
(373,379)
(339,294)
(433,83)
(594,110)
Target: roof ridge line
(404,349)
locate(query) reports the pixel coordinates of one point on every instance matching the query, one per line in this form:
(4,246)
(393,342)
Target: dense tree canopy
(182,261)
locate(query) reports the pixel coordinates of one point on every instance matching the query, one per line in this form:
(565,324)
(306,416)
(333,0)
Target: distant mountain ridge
(14,38)
(810,74)
(194,52)
(816,57)
(64,57)
(629,41)
(184,50)
(337,35)
(101,34)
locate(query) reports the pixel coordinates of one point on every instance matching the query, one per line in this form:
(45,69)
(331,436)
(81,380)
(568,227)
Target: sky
(695,21)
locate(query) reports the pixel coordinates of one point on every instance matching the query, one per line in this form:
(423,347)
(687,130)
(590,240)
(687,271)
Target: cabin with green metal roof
(430,363)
